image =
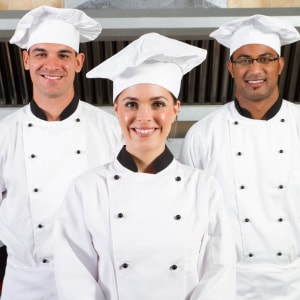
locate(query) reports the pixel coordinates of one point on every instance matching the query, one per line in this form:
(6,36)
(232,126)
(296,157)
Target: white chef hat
(256,29)
(152,58)
(47,24)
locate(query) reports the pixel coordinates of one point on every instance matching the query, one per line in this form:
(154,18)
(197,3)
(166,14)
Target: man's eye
(40,54)
(264,60)
(245,61)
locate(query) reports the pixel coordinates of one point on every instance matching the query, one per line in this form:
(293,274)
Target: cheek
(166,118)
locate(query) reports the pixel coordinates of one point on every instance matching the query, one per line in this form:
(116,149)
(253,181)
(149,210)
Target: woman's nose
(144,114)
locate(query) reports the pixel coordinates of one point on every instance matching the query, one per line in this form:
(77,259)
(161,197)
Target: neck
(53,107)
(259,108)
(145,160)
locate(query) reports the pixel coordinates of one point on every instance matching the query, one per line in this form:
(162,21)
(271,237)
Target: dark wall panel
(209,83)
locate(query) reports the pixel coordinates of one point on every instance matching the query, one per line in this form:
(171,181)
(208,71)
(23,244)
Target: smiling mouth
(51,77)
(255,81)
(144,131)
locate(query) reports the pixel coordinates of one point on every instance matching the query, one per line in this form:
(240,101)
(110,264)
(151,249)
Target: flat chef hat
(47,24)
(257,29)
(152,58)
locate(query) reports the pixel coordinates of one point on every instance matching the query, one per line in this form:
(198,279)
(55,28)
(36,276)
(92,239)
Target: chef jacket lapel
(261,208)
(144,216)
(52,150)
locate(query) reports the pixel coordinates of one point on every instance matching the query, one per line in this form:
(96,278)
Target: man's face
(52,69)
(256,81)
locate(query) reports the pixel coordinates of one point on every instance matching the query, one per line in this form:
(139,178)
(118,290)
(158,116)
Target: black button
(247,220)
(116,177)
(124,266)
(239,153)
(236,123)
(281,151)
(45,260)
(32,156)
(35,190)
(242,187)
(279,253)
(30,124)
(173,267)
(177,217)
(120,215)
(40,226)
(178,178)
(280,220)
(280,186)
(250,254)
(282,120)
(77,120)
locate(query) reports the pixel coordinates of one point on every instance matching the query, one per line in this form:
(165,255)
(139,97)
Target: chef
(45,144)
(145,226)
(252,145)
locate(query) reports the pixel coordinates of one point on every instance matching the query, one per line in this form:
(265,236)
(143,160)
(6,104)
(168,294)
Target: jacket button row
(126,265)
(121,215)
(278,254)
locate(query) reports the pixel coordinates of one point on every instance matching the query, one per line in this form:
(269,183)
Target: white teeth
(255,81)
(144,131)
(52,77)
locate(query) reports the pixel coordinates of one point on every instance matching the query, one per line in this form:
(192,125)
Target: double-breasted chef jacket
(257,163)
(124,235)
(38,159)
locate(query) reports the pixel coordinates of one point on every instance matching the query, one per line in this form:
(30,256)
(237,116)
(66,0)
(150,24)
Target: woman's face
(146,113)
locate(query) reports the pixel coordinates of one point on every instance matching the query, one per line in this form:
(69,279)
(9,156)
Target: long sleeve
(217,259)
(75,258)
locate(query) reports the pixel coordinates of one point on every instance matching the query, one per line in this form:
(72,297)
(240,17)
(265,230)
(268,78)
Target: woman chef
(145,226)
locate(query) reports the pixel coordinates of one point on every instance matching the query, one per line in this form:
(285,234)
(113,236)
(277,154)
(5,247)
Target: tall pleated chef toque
(152,58)
(47,24)
(256,29)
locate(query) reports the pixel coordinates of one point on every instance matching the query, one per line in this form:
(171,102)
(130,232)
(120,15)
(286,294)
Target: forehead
(50,47)
(146,89)
(254,50)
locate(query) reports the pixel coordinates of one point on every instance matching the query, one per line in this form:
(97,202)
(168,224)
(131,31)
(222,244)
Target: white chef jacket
(38,159)
(258,164)
(124,235)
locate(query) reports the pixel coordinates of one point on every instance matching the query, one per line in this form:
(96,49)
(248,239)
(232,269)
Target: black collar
(160,163)
(67,112)
(269,114)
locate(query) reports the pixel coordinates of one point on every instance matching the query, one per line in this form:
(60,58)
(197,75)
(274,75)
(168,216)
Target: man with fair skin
(252,146)
(45,144)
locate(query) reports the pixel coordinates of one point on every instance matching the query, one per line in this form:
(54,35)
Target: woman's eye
(159,104)
(130,104)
